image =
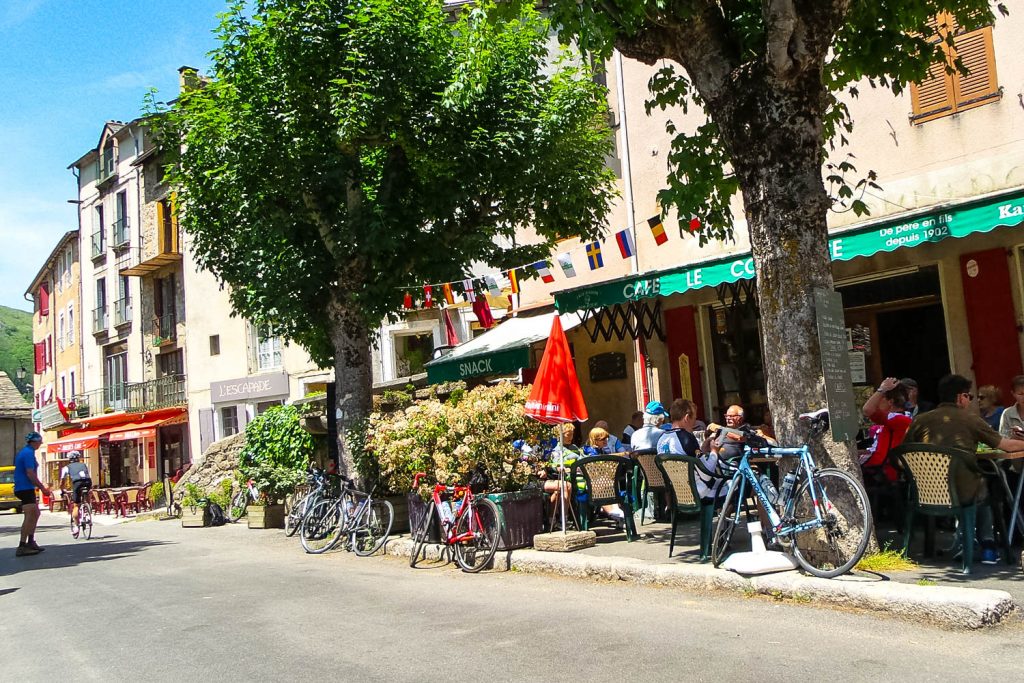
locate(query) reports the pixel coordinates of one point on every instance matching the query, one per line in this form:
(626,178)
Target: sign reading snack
(245,389)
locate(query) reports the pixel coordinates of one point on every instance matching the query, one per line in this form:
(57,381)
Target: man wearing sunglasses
(953,424)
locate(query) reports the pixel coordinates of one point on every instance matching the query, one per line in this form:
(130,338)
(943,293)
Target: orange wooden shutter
(979,85)
(932,97)
(160,218)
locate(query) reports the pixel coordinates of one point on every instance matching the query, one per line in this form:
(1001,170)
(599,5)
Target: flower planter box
(521,515)
(265,516)
(418,508)
(400,504)
(193,517)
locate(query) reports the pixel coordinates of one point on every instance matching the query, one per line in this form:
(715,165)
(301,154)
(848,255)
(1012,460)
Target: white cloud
(17,12)
(127,80)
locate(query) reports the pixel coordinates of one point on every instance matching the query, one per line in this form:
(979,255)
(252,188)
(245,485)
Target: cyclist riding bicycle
(81,481)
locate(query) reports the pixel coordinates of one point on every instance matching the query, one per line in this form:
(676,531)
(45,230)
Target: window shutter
(205,428)
(40,351)
(243,417)
(174,247)
(44,300)
(979,85)
(932,97)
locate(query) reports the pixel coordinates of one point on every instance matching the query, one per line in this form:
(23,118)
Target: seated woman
(989,405)
(563,455)
(598,443)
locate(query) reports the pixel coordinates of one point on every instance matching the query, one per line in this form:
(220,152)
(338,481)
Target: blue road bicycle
(821,516)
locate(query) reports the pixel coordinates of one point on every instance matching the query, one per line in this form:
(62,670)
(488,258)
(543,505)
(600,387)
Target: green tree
(342,149)
(770,76)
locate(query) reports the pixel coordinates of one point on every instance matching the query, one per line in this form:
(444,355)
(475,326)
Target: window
(49,351)
(115,376)
(942,93)
(120,236)
(99,241)
(214,344)
(63,387)
(107,160)
(229,420)
(167,224)
(169,364)
(268,349)
(262,406)
(71,378)
(99,314)
(61,331)
(71,323)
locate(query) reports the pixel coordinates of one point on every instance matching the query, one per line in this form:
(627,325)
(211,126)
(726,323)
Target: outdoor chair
(931,473)
(141,499)
(102,501)
(649,481)
(679,472)
(606,480)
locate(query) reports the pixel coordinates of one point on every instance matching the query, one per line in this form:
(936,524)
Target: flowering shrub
(447,440)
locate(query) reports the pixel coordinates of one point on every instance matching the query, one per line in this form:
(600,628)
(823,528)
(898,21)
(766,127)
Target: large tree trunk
(353,374)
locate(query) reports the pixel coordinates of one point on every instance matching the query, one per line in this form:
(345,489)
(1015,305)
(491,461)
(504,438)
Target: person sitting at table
(613,445)
(1011,421)
(990,405)
(598,443)
(647,436)
(562,456)
(913,405)
(726,445)
(885,409)
(952,424)
(681,441)
(636,421)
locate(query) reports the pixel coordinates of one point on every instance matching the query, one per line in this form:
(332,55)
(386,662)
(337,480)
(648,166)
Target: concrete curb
(948,606)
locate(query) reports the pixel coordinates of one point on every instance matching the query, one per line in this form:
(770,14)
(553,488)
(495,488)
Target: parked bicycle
(821,514)
(81,523)
(296,508)
(248,495)
(362,520)
(469,524)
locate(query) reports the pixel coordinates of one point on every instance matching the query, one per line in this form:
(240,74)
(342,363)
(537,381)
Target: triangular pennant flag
(658,230)
(565,260)
(469,291)
(407,301)
(428,296)
(513,281)
(693,226)
(449,297)
(542,269)
(624,238)
(594,257)
(492,285)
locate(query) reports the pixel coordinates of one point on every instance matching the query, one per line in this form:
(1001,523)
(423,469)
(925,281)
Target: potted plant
(275,456)
(193,507)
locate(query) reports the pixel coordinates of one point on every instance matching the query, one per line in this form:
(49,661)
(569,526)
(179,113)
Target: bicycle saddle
(816,415)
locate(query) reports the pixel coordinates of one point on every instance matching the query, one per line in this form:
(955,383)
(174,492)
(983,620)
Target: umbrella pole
(561,472)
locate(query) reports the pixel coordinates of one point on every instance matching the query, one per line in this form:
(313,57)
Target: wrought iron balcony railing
(165,392)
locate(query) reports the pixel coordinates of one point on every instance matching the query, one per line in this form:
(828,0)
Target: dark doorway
(912,343)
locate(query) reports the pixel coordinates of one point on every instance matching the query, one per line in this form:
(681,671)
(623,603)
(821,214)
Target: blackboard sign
(604,366)
(835,364)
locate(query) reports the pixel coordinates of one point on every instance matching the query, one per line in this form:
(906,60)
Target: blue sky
(66,67)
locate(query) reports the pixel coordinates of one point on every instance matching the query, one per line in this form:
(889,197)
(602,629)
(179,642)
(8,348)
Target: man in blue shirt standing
(25,484)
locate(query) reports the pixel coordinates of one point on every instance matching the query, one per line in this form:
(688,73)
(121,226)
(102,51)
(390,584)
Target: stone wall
(219,462)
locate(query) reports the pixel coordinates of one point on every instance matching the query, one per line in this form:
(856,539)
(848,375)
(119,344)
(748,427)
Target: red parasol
(556,397)
(449,329)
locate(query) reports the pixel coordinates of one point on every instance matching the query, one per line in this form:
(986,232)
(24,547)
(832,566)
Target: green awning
(500,351)
(959,221)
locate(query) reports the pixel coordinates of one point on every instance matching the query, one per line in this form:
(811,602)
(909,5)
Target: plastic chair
(606,480)
(932,472)
(141,499)
(651,480)
(680,473)
(97,502)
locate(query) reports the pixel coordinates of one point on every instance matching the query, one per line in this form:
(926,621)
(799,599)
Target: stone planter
(315,425)
(401,518)
(521,515)
(418,508)
(265,516)
(193,516)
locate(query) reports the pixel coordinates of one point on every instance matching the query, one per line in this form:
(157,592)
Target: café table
(996,457)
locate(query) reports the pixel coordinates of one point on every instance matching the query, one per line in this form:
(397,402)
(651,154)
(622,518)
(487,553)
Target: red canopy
(556,395)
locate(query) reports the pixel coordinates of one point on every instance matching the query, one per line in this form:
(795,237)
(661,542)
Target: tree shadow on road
(56,556)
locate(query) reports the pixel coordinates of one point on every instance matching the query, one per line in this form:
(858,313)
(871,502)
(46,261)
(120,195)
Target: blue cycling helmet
(33,436)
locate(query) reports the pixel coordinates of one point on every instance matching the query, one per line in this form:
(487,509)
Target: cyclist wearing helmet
(81,481)
(25,484)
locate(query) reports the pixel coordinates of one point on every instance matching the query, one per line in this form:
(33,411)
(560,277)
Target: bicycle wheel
(321,527)
(85,521)
(420,533)
(237,508)
(371,530)
(838,545)
(728,520)
(483,522)
(294,514)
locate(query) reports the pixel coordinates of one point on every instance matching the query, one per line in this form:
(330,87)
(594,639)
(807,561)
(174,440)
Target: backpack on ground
(215,513)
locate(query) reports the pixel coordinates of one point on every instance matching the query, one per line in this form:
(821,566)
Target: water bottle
(444,508)
(787,484)
(769,488)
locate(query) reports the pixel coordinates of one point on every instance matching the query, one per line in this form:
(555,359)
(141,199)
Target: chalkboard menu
(604,366)
(835,364)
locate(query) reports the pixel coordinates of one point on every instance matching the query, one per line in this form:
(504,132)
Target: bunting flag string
(565,260)
(594,257)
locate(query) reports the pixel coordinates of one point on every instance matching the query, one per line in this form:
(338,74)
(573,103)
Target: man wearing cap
(647,436)
(25,484)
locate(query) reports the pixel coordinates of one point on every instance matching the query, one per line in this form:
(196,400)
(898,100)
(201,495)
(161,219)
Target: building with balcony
(55,293)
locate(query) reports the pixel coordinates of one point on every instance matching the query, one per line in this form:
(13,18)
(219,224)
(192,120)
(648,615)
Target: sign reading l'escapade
(247,388)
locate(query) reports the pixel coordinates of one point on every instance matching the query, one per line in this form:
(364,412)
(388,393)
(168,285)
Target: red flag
(556,395)
(63,410)
(483,312)
(449,330)
(428,296)
(408,300)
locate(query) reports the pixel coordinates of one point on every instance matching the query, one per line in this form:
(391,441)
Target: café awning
(500,351)
(936,225)
(79,441)
(146,429)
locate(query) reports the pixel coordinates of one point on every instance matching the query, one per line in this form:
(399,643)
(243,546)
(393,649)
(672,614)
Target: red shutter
(991,320)
(40,349)
(44,300)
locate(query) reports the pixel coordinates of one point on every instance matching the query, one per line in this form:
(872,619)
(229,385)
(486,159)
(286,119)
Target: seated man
(636,421)
(952,424)
(81,481)
(885,409)
(680,440)
(647,436)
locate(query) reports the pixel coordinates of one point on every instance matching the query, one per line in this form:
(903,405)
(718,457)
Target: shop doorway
(913,344)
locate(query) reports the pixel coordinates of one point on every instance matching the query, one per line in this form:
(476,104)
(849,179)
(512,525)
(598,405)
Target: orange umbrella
(556,397)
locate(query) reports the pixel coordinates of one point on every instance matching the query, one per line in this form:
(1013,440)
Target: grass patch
(926,582)
(886,560)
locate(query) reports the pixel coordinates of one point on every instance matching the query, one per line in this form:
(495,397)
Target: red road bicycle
(469,524)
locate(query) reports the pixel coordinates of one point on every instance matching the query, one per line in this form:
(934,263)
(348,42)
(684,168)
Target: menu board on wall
(835,364)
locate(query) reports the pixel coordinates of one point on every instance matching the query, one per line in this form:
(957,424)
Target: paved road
(156,602)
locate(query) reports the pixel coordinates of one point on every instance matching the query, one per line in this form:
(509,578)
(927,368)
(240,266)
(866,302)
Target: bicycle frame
(464,507)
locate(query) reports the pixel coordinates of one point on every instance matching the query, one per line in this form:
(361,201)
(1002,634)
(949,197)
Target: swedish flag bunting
(624,239)
(542,269)
(594,255)
(565,260)
(658,230)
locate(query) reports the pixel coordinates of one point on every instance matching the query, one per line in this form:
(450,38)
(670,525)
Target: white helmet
(75,456)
